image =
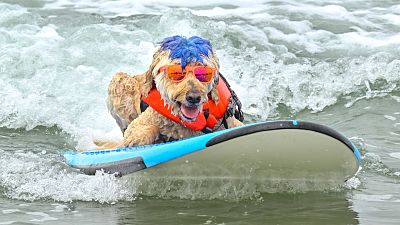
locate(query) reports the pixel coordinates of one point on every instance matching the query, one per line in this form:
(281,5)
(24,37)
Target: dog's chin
(188,112)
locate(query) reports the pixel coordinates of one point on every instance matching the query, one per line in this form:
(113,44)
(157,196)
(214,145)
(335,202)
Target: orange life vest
(206,119)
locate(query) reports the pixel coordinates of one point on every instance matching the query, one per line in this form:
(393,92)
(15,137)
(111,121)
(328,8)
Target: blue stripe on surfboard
(356,152)
(151,154)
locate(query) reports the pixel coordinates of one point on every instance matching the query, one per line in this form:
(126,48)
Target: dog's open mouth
(190,112)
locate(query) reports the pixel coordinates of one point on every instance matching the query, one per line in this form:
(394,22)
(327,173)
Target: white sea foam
(28,176)
(51,60)
(54,69)
(392,118)
(374,162)
(395,155)
(60,208)
(44,217)
(397,98)
(10,12)
(9,211)
(395,9)
(352,183)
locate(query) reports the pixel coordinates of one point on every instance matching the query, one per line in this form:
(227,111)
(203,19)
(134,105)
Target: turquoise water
(331,62)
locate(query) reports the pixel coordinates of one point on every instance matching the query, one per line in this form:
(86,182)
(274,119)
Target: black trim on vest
(143,105)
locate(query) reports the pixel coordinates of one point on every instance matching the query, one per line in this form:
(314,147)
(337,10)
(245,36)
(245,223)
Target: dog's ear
(214,62)
(149,74)
(214,93)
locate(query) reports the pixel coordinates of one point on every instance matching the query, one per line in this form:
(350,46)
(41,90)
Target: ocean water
(332,62)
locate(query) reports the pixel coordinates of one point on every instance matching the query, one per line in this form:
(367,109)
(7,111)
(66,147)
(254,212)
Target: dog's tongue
(190,112)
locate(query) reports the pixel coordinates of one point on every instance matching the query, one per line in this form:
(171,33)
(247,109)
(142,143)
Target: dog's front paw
(136,141)
(140,136)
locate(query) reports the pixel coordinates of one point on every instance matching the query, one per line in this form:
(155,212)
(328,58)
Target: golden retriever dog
(184,73)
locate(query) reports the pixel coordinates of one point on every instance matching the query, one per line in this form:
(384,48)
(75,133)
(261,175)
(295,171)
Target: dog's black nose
(193,99)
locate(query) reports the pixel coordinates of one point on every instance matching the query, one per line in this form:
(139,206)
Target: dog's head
(187,95)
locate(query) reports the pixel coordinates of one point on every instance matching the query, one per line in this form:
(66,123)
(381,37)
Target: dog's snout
(193,98)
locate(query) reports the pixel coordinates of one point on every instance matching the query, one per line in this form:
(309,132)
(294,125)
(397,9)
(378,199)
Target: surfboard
(287,149)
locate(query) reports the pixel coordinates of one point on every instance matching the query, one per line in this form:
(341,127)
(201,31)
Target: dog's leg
(107,144)
(123,100)
(144,130)
(140,135)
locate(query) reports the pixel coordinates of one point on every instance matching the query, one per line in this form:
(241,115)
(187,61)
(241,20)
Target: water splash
(372,161)
(352,183)
(28,176)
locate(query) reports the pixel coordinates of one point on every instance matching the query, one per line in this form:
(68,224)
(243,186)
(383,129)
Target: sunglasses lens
(203,74)
(175,73)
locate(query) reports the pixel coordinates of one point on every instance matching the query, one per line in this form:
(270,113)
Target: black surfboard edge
(282,124)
